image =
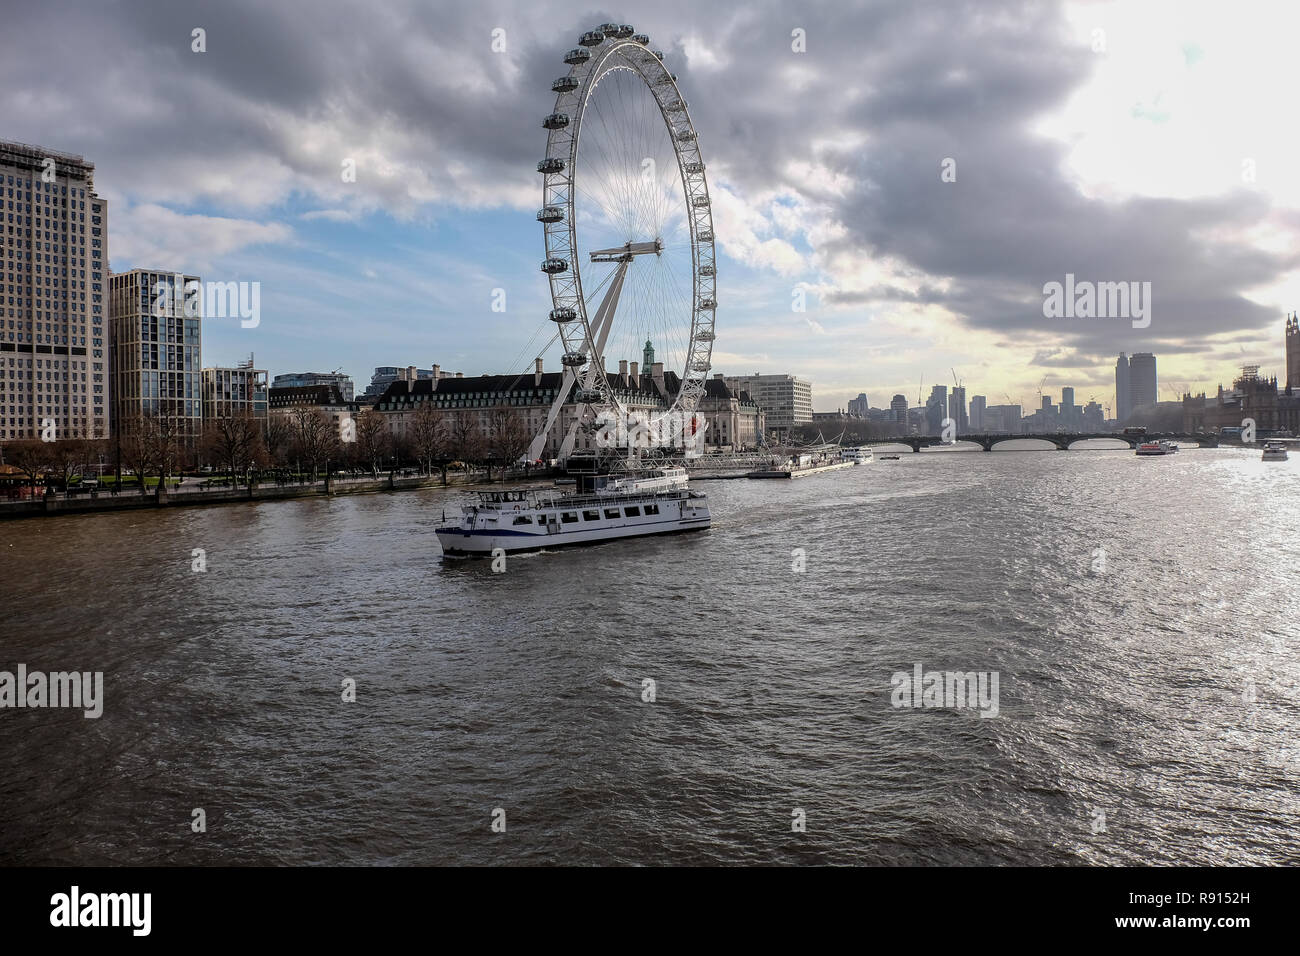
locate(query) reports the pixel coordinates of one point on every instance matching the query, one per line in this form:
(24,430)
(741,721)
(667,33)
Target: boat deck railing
(540,499)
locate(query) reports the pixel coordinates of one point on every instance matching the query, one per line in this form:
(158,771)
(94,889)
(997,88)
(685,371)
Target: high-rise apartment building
(156,321)
(1142,384)
(858,406)
(978,404)
(53,308)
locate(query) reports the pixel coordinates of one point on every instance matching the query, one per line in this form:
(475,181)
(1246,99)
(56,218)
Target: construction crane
(1040,391)
(955,382)
(920,390)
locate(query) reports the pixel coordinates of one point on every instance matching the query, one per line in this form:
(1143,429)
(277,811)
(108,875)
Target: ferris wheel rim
(608,52)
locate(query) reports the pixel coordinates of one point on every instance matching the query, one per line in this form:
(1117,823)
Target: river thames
(1141,615)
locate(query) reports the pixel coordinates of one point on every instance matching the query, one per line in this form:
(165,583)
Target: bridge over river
(1062,441)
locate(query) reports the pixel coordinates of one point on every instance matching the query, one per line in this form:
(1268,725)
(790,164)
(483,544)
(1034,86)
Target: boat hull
(483,543)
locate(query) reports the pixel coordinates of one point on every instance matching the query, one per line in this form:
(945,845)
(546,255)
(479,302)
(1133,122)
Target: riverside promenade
(192,494)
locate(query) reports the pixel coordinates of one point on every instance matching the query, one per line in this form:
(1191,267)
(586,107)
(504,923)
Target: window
(632,512)
(592,515)
(523,519)
(611,512)
(652,509)
(569,517)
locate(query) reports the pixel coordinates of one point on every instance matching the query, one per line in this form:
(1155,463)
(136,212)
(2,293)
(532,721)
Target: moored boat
(1274,451)
(603,508)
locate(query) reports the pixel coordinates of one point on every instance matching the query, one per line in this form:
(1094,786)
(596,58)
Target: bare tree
(316,437)
(508,436)
(134,450)
(235,442)
(162,438)
(372,442)
(465,439)
(279,438)
(29,456)
(429,438)
(67,458)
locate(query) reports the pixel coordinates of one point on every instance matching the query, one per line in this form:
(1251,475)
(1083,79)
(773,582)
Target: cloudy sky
(1137,141)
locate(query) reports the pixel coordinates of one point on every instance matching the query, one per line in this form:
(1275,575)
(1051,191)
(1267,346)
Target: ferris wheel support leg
(600,332)
(566,449)
(539,440)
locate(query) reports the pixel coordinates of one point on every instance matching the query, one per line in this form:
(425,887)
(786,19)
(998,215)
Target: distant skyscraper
(1292,352)
(1123,404)
(978,404)
(1142,385)
(858,406)
(957,408)
(936,408)
(898,408)
(54,286)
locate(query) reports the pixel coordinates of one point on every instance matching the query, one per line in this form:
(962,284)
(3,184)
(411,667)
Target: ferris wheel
(629,229)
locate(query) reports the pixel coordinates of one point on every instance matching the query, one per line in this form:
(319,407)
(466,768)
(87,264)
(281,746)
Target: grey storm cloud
(910,84)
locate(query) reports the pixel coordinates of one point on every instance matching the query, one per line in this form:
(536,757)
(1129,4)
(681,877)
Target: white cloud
(152,236)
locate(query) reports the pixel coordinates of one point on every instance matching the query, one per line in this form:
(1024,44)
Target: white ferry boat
(1274,451)
(859,456)
(1156,448)
(603,508)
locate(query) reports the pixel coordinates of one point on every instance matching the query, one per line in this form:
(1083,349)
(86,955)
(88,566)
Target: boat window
(632,512)
(592,515)
(611,512)
(569,517)
(523,519)
(652,509)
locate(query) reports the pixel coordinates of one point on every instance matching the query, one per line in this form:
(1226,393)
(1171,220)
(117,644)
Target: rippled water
(1161,689)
